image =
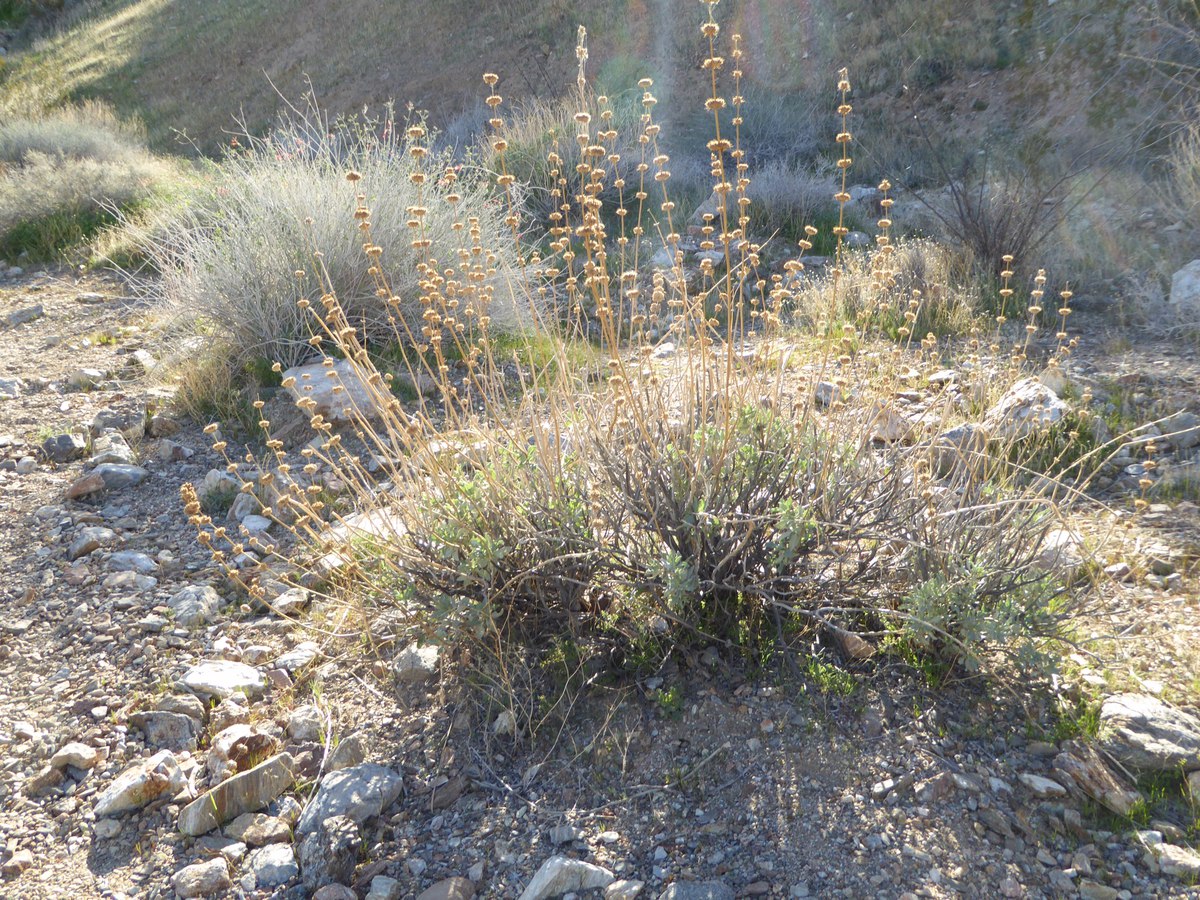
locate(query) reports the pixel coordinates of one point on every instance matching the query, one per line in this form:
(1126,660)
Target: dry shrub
(66,175)
(229,260)
(696,490)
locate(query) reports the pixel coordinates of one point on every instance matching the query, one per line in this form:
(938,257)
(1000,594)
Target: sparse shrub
(235,262)
(68,175)
(694,492)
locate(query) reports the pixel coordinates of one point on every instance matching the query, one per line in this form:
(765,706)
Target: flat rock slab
(358,793)
(223,678)
(140,784)
(243,793)
(563,875)
(1144,733)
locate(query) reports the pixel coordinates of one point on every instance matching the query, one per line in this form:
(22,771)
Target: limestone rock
(81,756)
(337,391)
(246,792)
(223,678)
(1025,407)
(415,664)
(142,783)
(329,854)
(562,875)
(112,448)
(456,888)
(167,730)
(1082,768)
(272,865)
(1185,294)
(195,604)
(1144,733)
(358,793)
(204,879)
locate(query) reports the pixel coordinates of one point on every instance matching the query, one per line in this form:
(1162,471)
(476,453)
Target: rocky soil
(160,736)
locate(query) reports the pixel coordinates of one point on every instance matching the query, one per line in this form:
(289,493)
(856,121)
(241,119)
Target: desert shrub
(784,198)
(542,135)
(698,489)
(68,175)
(1185,174)
(229,261)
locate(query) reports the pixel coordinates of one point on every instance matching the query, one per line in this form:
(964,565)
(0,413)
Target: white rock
(204,879)
(1062,551)
(560,875)
(1185,294)
(81,756)
(1146,734)
(195,604)
(223,678)
(273,865)
(132,561)
(384,888)
(305,724)
(1025,407)
(1041,786)
(142,783)
(337,390)
(256,526)
(416,663)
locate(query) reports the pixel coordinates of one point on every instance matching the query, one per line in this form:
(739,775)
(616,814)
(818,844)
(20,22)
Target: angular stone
(23,316)
(299,656)
(185,704)
(112,447)
(223,678)
(91,483)
(358,793)
(337,391)
(142,783)
(1041,786)
(625,889)
(384,887)
(456,888)
(1182,862)
(63,448)
(1023,409)
(1144,733)
(415,664)
(1082,768)
(167,730)
(305,724)
(273,865)
(81,756)
(132,561)
(562,875)
(204,879)
(1182,430)
(194,605)
(258,829)
(350,751)
(245,792)
(329,854)
(335,892)
(89,540)
(1185,294)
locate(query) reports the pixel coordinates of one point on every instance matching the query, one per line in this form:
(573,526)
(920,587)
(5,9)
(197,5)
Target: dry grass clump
(728,478)
(67,175)
(235,262)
